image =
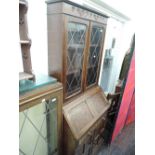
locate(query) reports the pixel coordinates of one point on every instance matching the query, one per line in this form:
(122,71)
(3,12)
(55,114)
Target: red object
(127,108)
(131,112)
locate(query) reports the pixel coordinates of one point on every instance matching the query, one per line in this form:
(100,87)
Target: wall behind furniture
(37,27)
(111,67)
(123,33)
(37,22)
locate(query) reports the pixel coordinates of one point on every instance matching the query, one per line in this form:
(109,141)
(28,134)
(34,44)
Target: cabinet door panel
(76,40)
(38,129)
(94,54)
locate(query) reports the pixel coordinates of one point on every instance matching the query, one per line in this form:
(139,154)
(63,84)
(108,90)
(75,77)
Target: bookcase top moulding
(78,6)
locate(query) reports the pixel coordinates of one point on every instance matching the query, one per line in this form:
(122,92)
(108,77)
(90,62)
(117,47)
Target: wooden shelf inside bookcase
(76,46)
(73,71)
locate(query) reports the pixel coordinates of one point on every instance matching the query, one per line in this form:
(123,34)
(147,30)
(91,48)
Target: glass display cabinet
(75,44)
(76,39)
(40,121)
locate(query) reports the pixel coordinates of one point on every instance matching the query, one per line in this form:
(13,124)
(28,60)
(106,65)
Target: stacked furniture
(75,45)
(25,42)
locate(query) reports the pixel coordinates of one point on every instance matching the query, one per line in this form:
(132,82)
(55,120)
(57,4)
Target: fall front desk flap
(83,112)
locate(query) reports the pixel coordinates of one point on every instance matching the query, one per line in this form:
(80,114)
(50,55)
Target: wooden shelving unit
(25,42)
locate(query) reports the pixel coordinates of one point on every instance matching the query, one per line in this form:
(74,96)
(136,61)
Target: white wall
(124,6)
(123,34)
(109,74)
(37,25)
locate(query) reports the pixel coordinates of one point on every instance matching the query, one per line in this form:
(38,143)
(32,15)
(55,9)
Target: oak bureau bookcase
(75,44)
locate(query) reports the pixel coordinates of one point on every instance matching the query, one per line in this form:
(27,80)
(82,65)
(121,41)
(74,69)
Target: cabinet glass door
(95,49)
(38,129)
(75,56)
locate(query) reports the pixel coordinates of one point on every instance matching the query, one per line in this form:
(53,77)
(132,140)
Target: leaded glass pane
(94,54)
(75,50)
(38,129)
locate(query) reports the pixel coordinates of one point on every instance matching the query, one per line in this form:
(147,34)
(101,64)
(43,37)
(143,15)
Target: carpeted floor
(124,144)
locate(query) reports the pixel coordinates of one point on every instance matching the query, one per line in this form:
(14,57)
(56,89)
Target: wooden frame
(59,14)
(101,53)
(36,96)
(70,19)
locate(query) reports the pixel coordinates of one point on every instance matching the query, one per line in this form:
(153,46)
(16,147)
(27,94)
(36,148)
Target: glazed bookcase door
(95,48)
(76,34)
(38,129)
